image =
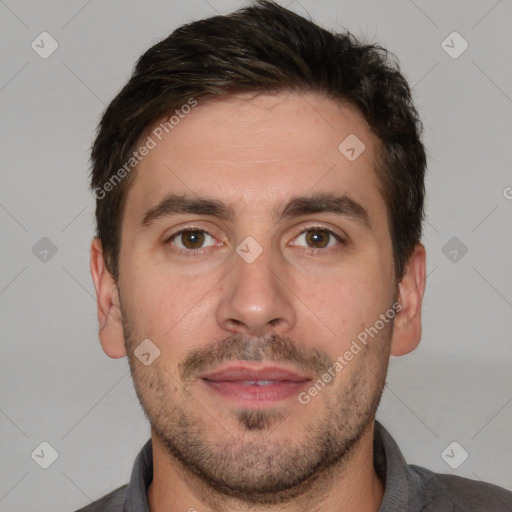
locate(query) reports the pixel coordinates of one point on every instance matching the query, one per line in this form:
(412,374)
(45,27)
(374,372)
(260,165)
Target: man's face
(251,299)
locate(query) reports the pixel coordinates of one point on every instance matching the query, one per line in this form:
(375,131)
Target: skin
(302,294)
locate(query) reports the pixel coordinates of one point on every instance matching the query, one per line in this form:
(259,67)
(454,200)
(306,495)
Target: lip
(254,385)
(250,371)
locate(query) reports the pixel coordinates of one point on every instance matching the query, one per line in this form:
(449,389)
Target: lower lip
(253,395)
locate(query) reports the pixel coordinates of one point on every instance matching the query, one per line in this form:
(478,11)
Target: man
(259,185)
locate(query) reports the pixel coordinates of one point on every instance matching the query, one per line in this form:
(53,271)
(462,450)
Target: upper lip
(250,372)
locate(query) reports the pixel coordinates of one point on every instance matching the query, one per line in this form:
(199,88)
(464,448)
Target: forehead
(254,152)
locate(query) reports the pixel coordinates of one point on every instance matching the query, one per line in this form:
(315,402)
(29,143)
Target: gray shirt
(408,488)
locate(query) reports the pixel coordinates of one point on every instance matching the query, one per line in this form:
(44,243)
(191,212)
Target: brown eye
(317,238)
(192,239)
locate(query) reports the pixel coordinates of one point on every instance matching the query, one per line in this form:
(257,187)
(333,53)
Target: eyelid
(339,235)
(189,227)
(176,236)
(179,251)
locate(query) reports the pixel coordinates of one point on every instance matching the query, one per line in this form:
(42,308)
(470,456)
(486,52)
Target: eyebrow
(319,203)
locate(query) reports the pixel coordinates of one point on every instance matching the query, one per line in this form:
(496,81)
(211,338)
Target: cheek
(342,306)
(167,307)
(150,302)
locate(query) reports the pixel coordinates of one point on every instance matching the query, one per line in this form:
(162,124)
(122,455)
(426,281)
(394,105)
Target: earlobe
(109,312)
(407,324)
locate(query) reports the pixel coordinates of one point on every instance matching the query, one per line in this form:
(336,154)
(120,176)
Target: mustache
(271,348)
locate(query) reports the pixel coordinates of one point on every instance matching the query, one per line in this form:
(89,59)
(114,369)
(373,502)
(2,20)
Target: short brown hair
(265,48)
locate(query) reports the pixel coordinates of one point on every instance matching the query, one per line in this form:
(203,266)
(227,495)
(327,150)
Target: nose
(256,299)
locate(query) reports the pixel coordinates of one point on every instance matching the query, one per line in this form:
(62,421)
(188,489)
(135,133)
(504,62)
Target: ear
(407,324)
(109,312)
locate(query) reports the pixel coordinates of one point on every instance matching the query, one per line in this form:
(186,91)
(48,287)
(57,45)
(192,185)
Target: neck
(351,486)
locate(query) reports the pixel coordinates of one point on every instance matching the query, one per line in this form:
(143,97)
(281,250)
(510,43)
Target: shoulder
(112,502)
(455,493)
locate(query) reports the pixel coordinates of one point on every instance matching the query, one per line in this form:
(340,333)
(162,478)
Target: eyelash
(187,252)
(198,252)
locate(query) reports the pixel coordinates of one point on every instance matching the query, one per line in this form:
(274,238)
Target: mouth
(254,385)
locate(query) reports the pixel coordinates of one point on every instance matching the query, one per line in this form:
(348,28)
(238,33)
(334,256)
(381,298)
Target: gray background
(57,384)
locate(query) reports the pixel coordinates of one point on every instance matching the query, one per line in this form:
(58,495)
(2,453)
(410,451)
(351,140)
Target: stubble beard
(256,465)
